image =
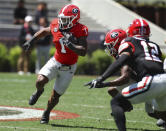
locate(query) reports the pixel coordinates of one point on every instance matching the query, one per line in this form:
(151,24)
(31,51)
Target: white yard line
(97,106)
(13,80)
(80,105)
(22,128)
(132,121)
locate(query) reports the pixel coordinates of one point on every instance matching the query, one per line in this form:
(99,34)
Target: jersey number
(62,46)
(151,51)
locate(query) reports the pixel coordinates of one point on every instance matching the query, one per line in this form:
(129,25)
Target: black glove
(70,37)
(65,41)
(28,44)
(95,83)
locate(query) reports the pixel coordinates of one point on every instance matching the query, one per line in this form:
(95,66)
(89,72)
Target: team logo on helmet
(114,34)
(75,10)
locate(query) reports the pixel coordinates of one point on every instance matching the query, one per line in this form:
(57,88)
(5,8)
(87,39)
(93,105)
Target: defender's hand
(94,83)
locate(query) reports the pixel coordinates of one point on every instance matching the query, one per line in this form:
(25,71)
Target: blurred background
(99,16)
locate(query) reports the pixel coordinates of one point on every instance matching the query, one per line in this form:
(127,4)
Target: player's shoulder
(125,45)
(80,29)
(81,25)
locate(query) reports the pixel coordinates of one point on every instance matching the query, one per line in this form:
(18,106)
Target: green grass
(92,106)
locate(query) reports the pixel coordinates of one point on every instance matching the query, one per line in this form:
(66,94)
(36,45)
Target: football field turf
(91,104)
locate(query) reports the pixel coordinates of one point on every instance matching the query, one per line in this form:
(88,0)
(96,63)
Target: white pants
(54,69)
(151,90)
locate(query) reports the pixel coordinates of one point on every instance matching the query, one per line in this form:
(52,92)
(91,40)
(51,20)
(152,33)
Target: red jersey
(63,54)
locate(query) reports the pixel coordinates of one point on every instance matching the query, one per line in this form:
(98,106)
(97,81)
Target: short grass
(93,106)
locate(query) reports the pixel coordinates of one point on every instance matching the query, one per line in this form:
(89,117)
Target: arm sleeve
(115,66)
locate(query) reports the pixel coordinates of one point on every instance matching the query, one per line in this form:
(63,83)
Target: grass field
(92,106)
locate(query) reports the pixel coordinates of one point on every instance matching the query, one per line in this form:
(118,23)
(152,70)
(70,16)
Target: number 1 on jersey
(62,46)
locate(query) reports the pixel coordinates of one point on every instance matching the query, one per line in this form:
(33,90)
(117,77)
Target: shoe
(45,118)
(20,73)
(35,96)
(161,123)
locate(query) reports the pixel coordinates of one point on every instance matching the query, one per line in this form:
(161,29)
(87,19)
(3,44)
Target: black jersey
(145,56)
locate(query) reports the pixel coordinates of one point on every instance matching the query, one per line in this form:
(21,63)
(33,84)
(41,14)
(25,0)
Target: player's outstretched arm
(121,80)
(41,33)
(114,67)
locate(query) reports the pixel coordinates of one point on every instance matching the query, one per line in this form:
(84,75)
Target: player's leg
(157,109)
(62,82)
(161,116)
(52,102)
(147,89)
(47,73)
(119,106)
(40,82)
(112,91)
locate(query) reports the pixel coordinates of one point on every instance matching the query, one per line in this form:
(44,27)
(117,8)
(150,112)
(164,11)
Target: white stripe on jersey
(122,47)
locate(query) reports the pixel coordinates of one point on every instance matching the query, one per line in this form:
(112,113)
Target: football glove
(70,37)
(96,83)
(66,42)
(28,44)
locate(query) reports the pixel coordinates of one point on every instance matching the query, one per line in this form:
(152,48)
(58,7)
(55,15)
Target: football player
(144,57)
(127,77)
(69,37)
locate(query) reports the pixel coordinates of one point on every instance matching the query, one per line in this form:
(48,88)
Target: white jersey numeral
(62,46)
(151,51)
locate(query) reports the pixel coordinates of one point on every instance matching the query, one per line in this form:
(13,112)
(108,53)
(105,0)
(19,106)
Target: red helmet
(68,16)
(139,28)
(112,41)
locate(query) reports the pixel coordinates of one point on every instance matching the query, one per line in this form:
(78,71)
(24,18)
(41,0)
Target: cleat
(35,96)
(161,123)
(45,118)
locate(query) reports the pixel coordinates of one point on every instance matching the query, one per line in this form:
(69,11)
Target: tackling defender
(69,37)
(144,57)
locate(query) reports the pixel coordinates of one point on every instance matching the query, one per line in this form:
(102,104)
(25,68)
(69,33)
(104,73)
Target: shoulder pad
(123,46)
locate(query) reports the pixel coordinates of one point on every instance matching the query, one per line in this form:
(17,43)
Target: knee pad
(123,102)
